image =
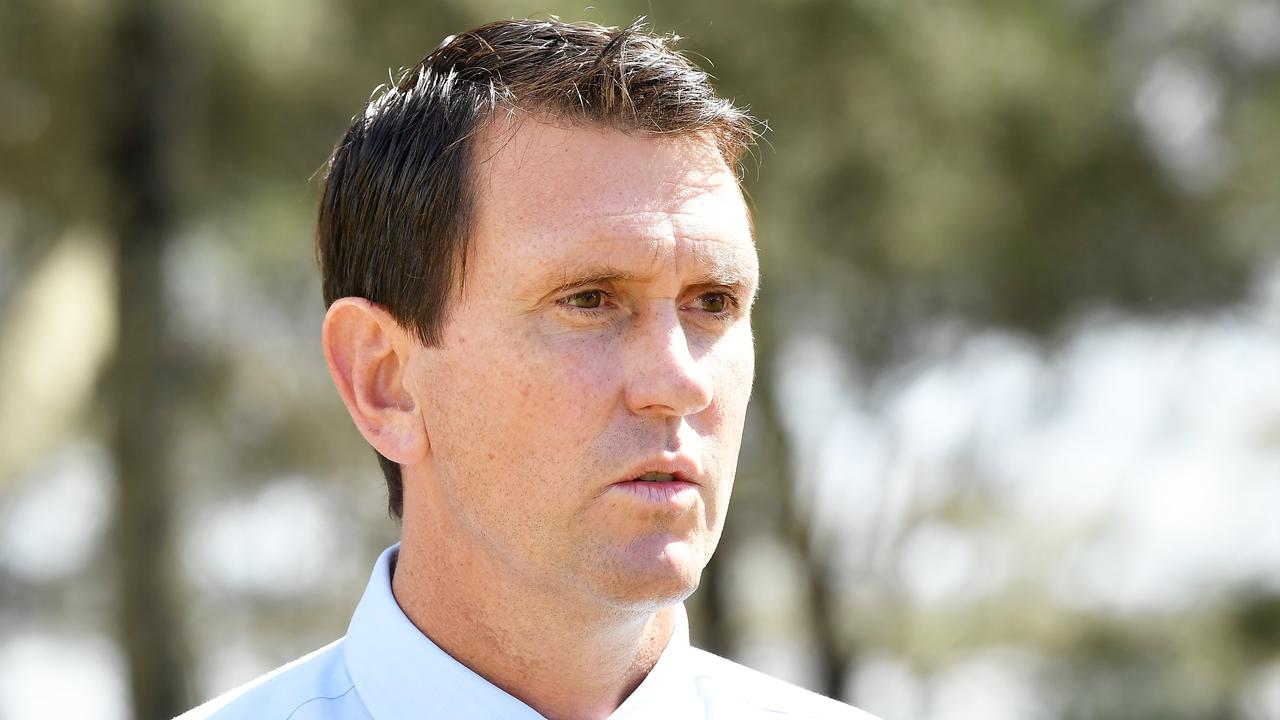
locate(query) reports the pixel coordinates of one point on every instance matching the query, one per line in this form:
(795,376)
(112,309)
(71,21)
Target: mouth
(681,471)
(666,482)
(656,477)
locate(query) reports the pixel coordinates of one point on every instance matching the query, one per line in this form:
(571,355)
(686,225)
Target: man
(539,269)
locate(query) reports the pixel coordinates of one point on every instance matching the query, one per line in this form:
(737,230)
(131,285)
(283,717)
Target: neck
(562,657)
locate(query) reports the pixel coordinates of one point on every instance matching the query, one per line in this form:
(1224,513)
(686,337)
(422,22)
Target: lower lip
(671,492)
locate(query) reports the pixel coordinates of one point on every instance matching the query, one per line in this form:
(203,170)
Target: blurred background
(1014,449)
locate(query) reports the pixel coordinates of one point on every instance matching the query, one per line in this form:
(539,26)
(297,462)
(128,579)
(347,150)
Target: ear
(368,355)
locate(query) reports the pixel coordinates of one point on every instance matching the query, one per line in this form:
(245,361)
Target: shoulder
(313,687)
(737,691)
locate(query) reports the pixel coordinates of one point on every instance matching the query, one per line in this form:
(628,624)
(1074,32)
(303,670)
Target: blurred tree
(143,69)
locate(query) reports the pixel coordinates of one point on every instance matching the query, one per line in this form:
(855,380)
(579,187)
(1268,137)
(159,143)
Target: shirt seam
(320,697)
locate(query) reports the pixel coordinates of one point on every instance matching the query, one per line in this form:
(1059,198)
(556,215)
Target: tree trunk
(823,602)
(140,197)
(833,656)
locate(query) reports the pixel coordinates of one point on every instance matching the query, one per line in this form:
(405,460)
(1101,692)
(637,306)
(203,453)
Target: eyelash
(728,314)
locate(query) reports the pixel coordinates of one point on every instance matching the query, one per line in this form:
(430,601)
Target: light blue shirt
(385,668)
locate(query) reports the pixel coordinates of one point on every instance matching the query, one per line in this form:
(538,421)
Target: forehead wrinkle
(717,266)
(668,219)
(662,238)
(702,265)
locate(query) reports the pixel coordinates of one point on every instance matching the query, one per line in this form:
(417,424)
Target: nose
(663,376)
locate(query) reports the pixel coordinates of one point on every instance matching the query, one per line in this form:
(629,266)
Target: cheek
(733,362)
(531,400)
(570,388)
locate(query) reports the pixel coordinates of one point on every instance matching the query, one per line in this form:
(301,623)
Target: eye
(587,300)
(715,303)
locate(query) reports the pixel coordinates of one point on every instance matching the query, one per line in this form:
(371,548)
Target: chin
(655,579)
(650,598)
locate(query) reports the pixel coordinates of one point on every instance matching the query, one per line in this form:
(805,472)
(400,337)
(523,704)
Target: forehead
(547,193)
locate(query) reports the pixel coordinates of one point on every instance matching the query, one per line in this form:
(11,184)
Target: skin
(603,326)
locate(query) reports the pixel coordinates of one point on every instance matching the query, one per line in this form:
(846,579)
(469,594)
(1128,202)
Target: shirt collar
(399,672)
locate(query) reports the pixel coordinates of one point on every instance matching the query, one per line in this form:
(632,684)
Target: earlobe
(368,355)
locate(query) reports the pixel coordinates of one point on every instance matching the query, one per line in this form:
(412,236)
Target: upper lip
(681,467)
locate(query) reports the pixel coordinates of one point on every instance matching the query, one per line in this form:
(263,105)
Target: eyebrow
(724,276)
(597,275)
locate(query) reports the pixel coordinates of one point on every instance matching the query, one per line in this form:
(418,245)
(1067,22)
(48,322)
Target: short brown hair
(394,215)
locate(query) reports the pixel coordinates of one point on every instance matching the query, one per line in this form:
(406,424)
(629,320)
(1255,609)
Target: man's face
(602,332)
